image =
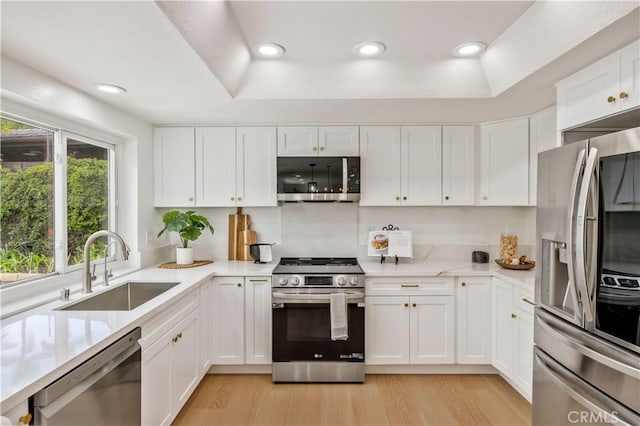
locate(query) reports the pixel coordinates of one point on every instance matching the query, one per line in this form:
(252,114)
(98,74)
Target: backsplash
(341,229)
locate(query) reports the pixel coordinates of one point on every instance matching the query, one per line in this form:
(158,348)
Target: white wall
(341,229)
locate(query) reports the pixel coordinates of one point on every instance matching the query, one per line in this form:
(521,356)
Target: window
(56,189)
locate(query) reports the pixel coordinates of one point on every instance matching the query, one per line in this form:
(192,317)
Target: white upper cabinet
(215,166)
(401,165)
(603,88)
(504,163)
(328,141)
(297,141)
(173,157)
(228,166)
(421,165)
(339,141)
(458,165)
(380,165)
(256,175)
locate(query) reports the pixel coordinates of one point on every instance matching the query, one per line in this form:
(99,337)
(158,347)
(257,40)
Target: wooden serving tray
(524,267)
(174,265)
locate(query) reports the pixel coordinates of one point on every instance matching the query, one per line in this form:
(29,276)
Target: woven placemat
(174,265)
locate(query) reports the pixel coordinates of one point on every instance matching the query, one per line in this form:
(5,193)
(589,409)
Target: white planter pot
(184,256)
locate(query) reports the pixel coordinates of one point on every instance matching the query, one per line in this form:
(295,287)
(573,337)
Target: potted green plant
(189,227)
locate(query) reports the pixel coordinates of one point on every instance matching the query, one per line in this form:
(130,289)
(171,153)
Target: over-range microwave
(318,179)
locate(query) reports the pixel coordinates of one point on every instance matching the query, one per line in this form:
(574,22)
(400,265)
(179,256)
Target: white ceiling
(190,62)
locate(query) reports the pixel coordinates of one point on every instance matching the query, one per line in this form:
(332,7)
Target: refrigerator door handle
(580,246)
(570,246)
(582,349)
(610,410)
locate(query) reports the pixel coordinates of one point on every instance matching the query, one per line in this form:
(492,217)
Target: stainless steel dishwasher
(104,390)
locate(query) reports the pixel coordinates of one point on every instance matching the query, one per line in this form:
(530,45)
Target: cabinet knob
(611,99)
(623,95)
(513,315)
(190,198)
(233,198)
(406,305)
(239,198)
(464,284)
(414,305)
(180,335)
(404,198)
(315,148)
(446,197)
(175,339)
(397,198)
(484,198)
(322,148)
(239,284)
(25,420)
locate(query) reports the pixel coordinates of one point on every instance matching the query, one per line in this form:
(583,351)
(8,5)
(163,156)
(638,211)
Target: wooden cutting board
(237,222)
(245,238)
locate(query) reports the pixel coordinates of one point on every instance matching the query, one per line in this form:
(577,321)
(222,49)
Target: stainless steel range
(304,294)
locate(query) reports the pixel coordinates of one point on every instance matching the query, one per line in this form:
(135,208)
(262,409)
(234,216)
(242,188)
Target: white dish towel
(339,323)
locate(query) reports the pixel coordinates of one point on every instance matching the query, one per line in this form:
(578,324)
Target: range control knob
(283,281)
(295,280)
(353,281)
(341,281)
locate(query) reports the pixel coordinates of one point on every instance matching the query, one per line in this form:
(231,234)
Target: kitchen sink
(125,297)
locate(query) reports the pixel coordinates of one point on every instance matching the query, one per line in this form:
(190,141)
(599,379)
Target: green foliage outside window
(27,219)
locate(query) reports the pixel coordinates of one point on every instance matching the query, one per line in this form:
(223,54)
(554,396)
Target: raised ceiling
(191,62)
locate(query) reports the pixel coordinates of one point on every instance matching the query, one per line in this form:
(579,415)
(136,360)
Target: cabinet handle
(180,335)
(322,148)
(525,300)
(239,284)
(406,305)
(513,315)
(25,420)
(464,284)
(611,99)
(259,281)
(175,339)
(409,285)
(414,305)
(315,148)
(404,198)
(446,197)
(623,95)
(397,198)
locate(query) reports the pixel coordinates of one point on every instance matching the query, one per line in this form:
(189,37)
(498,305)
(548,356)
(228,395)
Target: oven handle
(313,298)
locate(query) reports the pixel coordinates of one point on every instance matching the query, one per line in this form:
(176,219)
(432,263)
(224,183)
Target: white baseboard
(240,369)
(431,369)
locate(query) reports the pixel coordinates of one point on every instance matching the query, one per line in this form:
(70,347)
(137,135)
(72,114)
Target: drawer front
(410,286)
(523,299)
(154,328)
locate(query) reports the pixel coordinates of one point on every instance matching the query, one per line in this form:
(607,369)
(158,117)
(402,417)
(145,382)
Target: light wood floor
(382,400)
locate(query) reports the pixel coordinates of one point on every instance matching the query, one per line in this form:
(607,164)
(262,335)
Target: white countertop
(42,344)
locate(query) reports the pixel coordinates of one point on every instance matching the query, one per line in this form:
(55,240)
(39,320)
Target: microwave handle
(345,174)
(581,242)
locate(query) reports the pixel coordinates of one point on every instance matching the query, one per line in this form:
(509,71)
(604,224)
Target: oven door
(302,326)
(612,238)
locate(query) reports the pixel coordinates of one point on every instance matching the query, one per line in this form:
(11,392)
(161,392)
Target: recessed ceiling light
(469,49)
(269,50)
(110,88)
(369,49)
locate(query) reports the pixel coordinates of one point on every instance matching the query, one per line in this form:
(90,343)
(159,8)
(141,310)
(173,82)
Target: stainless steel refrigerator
(587,322)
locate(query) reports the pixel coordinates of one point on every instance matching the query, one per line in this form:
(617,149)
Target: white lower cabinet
(473,303)
(513,334)
(241,320)
(409,321)
(170,361)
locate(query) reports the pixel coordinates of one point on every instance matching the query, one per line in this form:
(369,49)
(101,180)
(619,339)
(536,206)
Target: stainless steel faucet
(86,277)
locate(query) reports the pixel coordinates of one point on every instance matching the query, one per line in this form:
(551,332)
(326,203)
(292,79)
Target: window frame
(60,249)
